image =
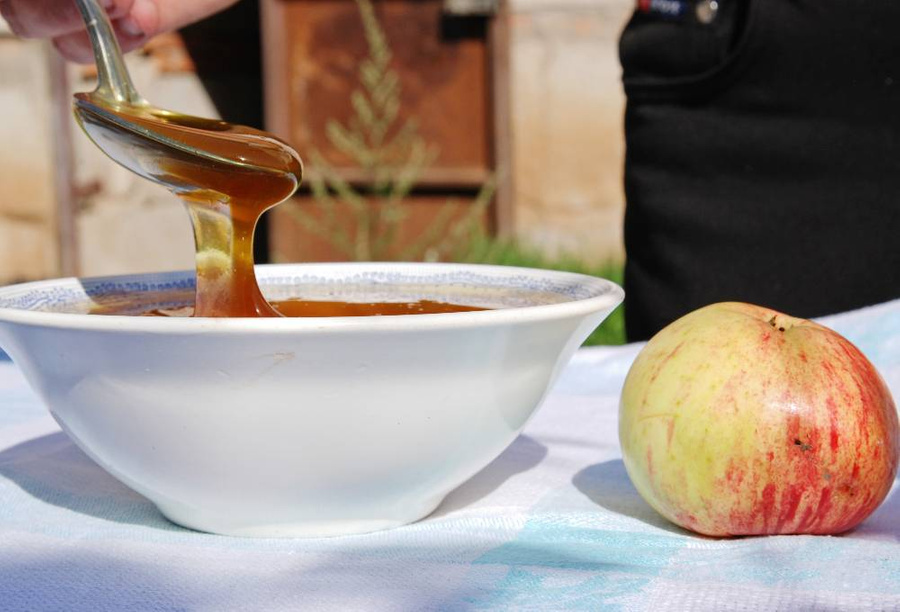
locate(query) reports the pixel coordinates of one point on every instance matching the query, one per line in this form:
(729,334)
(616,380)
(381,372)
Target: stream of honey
(242,173)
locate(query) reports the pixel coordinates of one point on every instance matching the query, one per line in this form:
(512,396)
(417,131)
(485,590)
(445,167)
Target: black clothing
(763,158)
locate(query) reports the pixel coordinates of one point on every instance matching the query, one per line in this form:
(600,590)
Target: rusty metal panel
(313,50)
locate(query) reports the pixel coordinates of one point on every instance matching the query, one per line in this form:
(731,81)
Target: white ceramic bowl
(302,427)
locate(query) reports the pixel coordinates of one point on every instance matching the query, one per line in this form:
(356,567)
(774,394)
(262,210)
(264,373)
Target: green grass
(509,253)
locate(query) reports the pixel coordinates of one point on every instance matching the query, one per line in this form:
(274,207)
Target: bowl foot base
(229,525)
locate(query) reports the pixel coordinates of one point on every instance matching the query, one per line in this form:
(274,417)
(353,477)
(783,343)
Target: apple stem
(774,323)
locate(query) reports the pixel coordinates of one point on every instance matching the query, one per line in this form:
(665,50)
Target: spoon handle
(114,82)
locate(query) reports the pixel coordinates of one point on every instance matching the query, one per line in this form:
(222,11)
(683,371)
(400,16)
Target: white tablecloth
(552,524)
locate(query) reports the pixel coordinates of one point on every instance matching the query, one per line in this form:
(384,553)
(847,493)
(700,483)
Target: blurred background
(487,131)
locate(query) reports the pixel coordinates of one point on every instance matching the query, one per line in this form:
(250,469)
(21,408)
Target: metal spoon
(209,163)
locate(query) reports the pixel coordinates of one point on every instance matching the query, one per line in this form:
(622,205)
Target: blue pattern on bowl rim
(477,285)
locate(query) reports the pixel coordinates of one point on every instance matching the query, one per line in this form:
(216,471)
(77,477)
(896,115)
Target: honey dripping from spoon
(227,175)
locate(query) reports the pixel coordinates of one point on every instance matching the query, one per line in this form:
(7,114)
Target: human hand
(135,21)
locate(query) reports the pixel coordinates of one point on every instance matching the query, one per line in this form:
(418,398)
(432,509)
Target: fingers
(61,21)
(135,21)
(52,18)
(76,47)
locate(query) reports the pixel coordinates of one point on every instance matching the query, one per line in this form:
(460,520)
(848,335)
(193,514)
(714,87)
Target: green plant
(363,222)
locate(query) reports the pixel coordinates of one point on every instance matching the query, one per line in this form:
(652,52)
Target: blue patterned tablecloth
(552,524)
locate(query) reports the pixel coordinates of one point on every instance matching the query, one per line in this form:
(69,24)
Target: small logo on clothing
(665,8)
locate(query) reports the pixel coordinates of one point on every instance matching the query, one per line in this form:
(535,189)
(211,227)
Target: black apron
(763,157)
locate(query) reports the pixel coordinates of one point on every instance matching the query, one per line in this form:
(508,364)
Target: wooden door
(445,69)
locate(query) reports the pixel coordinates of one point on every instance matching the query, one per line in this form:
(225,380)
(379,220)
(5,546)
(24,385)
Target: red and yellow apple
(740,420)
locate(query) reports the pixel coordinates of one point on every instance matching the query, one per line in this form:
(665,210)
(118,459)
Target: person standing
(763,156)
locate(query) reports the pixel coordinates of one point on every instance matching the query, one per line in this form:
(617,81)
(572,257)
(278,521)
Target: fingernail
(131,27)
(108,4)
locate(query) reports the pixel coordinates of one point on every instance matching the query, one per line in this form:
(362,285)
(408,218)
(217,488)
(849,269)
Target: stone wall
(122,224)
(28,245)
(567,112)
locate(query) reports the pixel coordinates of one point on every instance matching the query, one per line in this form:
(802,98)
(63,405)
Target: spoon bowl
(152,142)
(116,112)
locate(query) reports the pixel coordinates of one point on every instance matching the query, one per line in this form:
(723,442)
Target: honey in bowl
(309,308)
(242,173)
(313,308)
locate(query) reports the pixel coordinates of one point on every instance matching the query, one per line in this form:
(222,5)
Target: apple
(740,420)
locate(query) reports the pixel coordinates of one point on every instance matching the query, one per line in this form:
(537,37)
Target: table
(552,524)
